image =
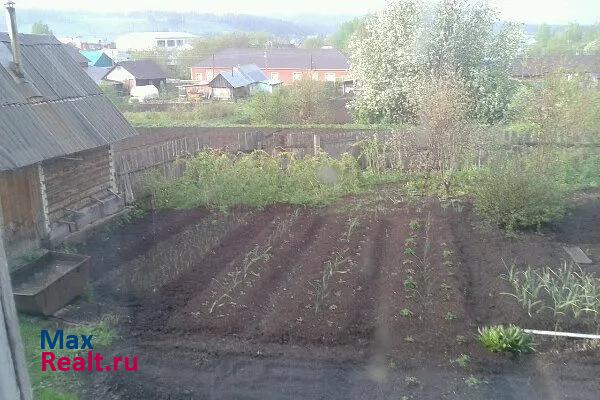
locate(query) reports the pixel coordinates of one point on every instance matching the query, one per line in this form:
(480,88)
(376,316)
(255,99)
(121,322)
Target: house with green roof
(97,58)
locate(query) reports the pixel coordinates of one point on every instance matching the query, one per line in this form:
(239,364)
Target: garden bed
(374,279)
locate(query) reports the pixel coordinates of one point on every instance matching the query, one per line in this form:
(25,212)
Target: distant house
(239,82)
(56,132)
(532,68)
(137,73)
(154,41)
(284,65)
(97,58)
(96,73)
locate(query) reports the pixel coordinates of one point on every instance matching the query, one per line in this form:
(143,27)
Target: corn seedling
(353,224)
(406,313)
(254,256)
(321,286)
(240,275)
(460,339)
(463,361)
(472,381)
(450,316)
(409,251)
(414,224)
(412,381)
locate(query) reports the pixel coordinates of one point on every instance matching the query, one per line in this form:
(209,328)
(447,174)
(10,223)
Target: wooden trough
(47,284)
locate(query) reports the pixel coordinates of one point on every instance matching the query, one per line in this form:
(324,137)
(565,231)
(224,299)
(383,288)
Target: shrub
(514,194)
(500,339)
(268,108)
(305,102)
(220,180)
(561,108)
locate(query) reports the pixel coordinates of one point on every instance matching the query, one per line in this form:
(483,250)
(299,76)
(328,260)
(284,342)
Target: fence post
(316,144)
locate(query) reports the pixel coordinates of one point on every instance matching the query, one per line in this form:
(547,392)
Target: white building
(154,40)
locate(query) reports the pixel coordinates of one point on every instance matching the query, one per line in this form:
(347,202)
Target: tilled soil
(349,301)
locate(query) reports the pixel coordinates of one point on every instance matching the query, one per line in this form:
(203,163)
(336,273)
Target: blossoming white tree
(410,41)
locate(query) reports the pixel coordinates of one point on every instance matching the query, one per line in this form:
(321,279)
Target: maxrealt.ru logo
(91,361)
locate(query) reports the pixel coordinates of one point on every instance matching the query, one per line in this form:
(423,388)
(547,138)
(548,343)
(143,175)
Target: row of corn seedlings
(252,259)
(422,263)
(320,287)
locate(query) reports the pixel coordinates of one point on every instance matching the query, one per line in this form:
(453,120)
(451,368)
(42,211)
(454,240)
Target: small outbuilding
(56,133)
(137,73)
(238,83)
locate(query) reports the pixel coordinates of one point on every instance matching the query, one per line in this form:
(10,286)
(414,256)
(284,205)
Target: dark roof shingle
(143,69)
(68,113)
(291,58)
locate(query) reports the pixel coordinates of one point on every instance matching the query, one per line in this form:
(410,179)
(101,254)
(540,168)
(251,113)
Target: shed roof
(242,76)
(59,111)
(143,69)
(289,58)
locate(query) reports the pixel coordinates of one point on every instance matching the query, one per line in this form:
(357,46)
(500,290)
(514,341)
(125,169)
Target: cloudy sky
(534,11)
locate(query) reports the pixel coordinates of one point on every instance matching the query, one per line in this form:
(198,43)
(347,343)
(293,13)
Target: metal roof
(290,58)
(59,111)
(143,69)
(77,56)
(243,76)
(97,57)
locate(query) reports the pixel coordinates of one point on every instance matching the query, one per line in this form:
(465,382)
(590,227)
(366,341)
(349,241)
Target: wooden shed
(238,83)
(56,131)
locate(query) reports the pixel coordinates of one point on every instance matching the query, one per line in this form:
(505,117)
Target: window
(209,75)
(198,76)
(170,43)
(275,76)
(160,43)
(330,77)
(297,76)
(179,42)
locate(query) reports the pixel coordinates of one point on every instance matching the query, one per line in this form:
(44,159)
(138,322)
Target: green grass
(54,385)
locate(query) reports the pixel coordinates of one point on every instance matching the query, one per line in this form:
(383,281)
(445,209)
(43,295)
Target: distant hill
(108,25)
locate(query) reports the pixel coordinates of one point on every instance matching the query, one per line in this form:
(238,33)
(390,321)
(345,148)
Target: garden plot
(401,285)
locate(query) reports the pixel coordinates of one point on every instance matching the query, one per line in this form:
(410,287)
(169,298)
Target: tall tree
(40,28)
(408,42)
(341,38)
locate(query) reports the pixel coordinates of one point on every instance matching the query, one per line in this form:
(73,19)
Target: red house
(283,65)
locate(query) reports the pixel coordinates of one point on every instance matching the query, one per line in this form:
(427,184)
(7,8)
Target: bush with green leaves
(562,108)
(516,194)
(218,180)
(501,339)
(305,102)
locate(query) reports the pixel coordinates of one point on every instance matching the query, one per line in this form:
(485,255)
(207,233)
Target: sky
(528,11)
